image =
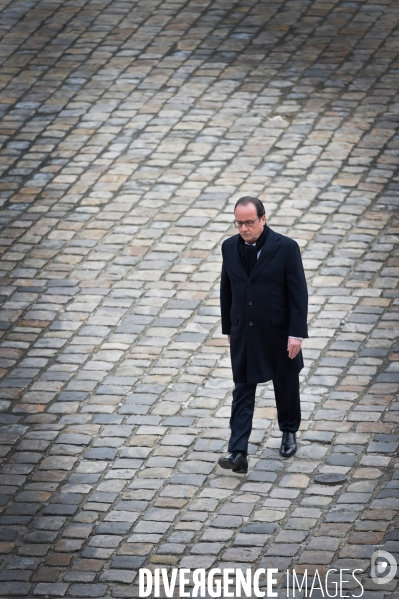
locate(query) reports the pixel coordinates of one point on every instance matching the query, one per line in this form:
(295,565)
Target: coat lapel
(270,247)
(237,262)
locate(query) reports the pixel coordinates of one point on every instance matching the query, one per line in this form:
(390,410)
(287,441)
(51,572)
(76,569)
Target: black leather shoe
(288,444)
(237,463)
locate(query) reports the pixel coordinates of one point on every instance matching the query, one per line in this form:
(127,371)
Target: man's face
(248,212)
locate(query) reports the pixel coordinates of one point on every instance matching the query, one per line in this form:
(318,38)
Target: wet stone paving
(128,131)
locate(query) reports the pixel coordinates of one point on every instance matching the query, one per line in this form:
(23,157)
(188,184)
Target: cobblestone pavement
(129,129)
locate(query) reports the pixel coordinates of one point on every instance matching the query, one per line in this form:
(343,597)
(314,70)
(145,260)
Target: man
(264,299)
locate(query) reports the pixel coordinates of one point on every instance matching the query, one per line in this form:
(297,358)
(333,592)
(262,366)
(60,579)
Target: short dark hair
(260,209)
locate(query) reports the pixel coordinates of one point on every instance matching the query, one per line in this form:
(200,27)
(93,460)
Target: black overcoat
(261,311)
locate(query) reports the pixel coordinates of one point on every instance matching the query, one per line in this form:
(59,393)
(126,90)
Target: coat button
(250,303)
(250,323)
(249,282)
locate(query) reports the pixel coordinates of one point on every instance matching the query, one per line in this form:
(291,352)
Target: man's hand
(294,347)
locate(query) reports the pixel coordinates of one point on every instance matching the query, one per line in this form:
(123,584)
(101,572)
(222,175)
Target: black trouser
(286,392)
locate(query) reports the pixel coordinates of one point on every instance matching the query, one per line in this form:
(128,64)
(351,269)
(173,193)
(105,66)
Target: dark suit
(260,312)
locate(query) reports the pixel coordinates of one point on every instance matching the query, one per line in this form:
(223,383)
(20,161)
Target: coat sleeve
(297,293)
(225,300)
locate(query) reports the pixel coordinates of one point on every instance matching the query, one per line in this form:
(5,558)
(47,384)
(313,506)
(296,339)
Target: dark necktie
(249,253)
(250,257)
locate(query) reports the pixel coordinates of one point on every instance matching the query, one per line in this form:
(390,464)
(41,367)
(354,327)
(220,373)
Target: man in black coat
(264,302)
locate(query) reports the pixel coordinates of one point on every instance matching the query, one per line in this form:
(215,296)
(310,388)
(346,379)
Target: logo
(383,567)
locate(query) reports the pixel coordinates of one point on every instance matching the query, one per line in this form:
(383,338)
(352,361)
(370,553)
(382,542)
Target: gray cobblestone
(128,132)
